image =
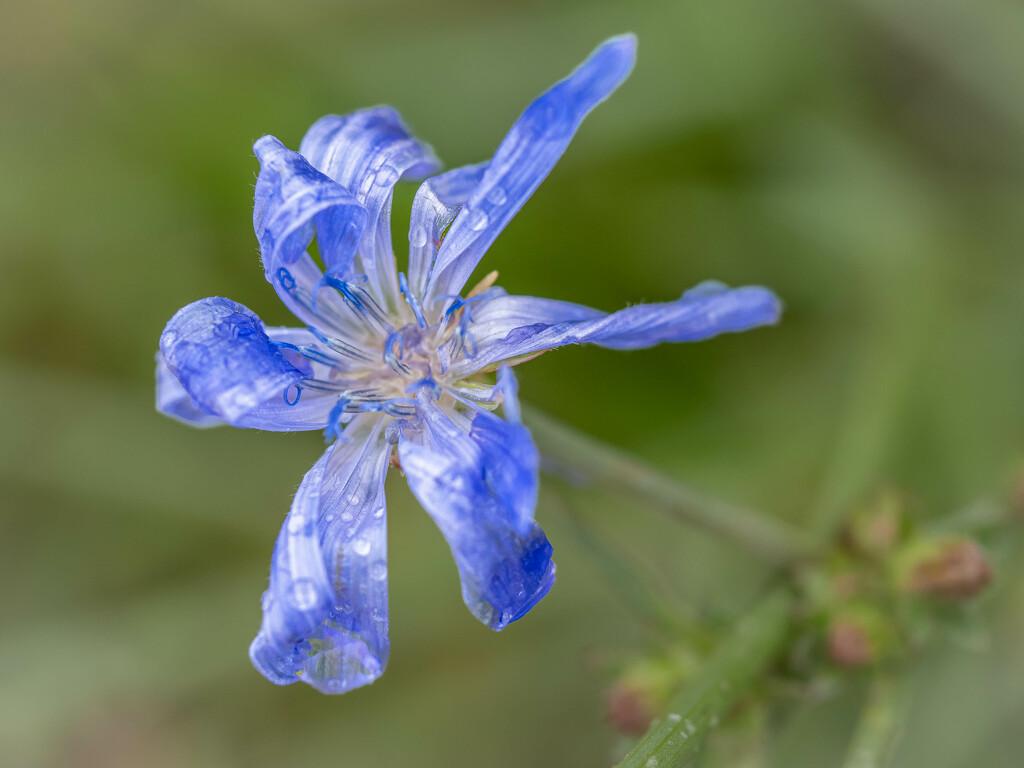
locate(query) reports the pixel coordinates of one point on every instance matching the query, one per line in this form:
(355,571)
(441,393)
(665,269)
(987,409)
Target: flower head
(405,361)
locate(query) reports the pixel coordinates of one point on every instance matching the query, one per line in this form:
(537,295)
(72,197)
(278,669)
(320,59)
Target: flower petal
(507,327)
(221,355)
(297,408)
(292,201)
(480,488)
(437,202)
(524,158)
(173,400)
(325,614)
(368,152)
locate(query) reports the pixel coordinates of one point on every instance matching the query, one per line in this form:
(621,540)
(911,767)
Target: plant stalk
(588,461)
(674,740)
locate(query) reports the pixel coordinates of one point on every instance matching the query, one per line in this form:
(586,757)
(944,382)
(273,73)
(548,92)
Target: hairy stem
(675,739)
(881,724)
(588,461)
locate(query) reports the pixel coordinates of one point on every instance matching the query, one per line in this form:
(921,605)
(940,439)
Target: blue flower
(388,360)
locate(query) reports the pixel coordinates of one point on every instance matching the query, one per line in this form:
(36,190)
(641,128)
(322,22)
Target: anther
(411,300)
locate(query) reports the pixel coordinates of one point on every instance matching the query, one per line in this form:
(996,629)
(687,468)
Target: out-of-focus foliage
(863,158)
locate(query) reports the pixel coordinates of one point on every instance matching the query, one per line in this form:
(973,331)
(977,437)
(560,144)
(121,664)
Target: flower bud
(849,644)
(952,568)
(630,708)
(642,689)
(859,635)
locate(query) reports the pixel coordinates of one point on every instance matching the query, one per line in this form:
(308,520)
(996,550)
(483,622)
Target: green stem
(880,726)
(625,576)
(677,738)
(601,465)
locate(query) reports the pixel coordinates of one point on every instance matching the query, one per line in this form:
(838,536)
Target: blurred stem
(881,724)
(584,460)
(625,576)
(677,738)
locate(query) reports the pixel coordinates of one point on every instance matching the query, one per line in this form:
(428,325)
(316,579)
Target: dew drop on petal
(379,512)
(304,594)
(477,220)
(379,572)
(497,196)
(361,547)
(297,524)
(386,176)
(346,516)
(417,237)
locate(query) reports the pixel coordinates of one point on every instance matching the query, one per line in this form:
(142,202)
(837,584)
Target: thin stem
(881,724)
(588,461)
(625,576)
(677,738)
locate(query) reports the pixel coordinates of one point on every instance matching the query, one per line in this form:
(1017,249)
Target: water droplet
(477,219)
(304,594)
(329,518)
(297,524)
(651,762)
(674,717)
(418,237)
(361,547)
(497,196)
(379,512)
(379,572)
(387,176)
(346,517)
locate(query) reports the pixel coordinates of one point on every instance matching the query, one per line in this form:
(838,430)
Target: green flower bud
(946,567)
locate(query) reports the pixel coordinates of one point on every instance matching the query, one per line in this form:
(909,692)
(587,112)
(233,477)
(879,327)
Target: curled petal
(524,158)
(325,613)
(437,202)
(173,400)
(219,352)
(368,152)
(297,408)
(507,328)
(480,488)
(293,201)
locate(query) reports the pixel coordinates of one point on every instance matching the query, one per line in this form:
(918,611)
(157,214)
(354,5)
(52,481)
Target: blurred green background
(862,157)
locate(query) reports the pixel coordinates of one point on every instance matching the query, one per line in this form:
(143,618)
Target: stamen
(411,300)
(324,386)
(284,277)
(334,426)
(400,407)
(310,353)
(307,301)
(425,382)
(393,360)
(509,388)
(298,394)
(362,304)
(341,347)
